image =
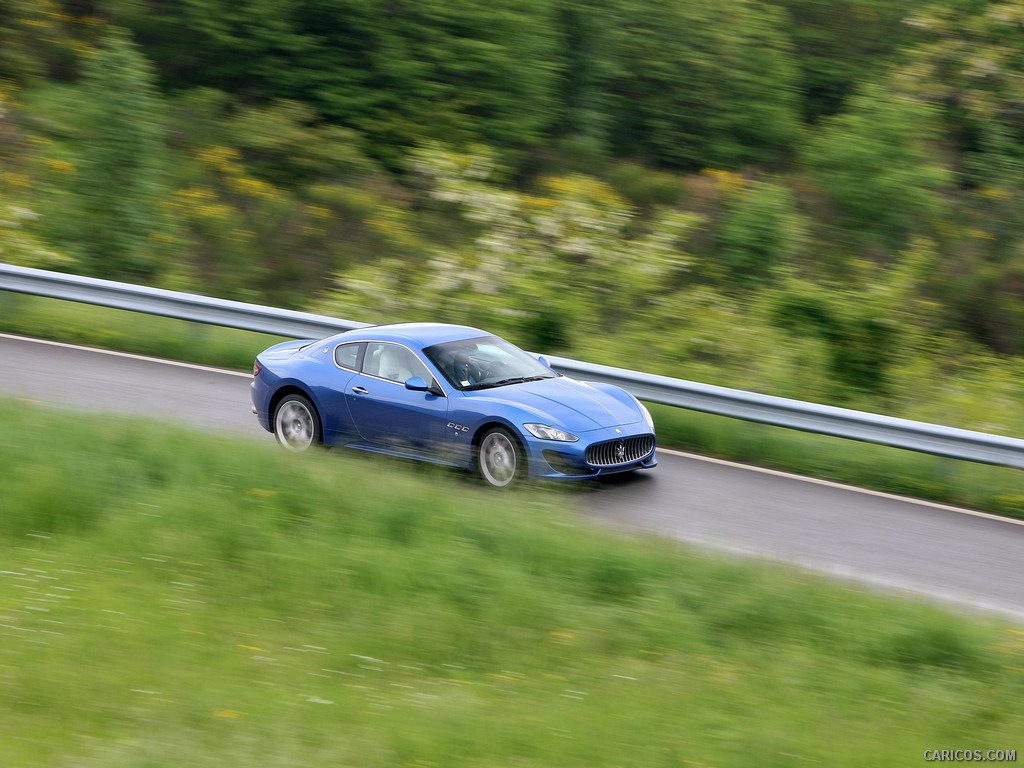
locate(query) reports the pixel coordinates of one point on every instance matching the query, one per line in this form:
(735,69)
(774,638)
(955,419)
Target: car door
(389,416)
(337,421)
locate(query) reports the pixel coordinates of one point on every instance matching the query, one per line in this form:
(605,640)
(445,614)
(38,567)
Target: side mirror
(544,361)
(417,384)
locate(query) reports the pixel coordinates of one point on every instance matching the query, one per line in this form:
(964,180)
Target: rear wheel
(296,423)
(499,458)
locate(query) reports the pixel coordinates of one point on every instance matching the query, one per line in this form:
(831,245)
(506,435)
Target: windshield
(485,362)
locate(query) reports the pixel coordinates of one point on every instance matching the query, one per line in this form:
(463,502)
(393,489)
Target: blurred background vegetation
(816,200)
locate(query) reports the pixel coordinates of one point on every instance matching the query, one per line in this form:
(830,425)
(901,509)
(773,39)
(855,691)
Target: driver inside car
(466,371)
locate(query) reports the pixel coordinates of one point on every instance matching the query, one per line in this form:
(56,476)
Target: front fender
(466,423)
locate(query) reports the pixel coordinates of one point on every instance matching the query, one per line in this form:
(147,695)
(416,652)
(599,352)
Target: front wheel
(499,458)
(296,424)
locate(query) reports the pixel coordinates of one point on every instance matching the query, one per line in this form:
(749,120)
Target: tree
(22,50)
(972,71)
(585,31)
(399,72)
(760,232)
(845,42)
(41,39)
(119,225)
(710,83)
(876,164)
(884,319)
(272,198)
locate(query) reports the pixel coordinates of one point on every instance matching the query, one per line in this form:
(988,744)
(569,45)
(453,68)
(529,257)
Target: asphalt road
(896,544)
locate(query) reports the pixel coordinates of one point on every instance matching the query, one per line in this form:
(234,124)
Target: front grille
(624,451)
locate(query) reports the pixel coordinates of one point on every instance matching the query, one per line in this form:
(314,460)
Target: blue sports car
(451,395)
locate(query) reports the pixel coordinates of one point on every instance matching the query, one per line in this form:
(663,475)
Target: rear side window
(393,362)
(347,355)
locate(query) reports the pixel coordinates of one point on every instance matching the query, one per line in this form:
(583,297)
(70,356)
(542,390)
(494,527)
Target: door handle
(360,390)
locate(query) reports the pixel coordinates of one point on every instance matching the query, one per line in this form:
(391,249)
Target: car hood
(566,403)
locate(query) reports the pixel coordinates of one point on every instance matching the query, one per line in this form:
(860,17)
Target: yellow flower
(61,166)
(246,185)
(728,182)
(16,179)
(995,193)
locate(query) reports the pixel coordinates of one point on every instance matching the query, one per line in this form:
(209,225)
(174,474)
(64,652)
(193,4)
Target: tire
(297,424)
(499,458)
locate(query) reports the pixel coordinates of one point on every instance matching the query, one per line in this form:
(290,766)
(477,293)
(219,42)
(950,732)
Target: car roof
(419,335)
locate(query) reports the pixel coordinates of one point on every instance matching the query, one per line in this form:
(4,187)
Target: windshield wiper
(505,382)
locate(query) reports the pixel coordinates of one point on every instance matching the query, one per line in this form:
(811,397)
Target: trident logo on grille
(620,451)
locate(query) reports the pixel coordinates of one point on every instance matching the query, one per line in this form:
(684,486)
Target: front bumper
(556,460)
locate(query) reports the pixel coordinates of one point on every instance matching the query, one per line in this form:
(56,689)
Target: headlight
(544,432)
(647,414)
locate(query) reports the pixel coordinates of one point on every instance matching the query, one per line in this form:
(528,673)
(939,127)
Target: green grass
(892,470)
(168,599)
(996,489)
(131,331)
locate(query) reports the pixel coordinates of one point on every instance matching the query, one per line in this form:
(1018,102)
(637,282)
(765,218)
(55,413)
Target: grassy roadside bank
(962,483)
(169,599)
(995,489)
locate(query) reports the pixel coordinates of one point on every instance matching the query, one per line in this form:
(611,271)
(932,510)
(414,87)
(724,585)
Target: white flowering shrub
(569,260)
(20,246)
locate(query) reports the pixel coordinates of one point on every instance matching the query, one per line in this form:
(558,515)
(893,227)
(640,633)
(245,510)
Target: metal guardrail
(184,306)
(808,417)
(750,406)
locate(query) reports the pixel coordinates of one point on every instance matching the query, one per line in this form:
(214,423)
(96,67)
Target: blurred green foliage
(702,84)
(568,261)
(839,45)
(875,165)
(815,200)
(760,231)
(115,217)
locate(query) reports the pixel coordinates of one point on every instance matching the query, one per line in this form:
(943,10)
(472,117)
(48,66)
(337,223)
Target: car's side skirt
(400,454)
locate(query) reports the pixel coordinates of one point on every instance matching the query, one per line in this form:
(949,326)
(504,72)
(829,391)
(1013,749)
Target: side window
(393,362)
(347,355)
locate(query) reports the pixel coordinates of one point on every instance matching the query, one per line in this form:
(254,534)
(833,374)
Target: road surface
(897,544)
